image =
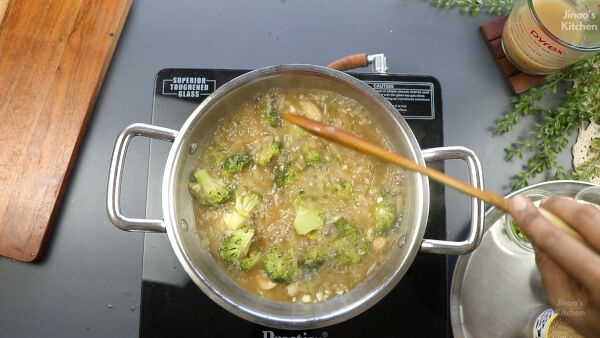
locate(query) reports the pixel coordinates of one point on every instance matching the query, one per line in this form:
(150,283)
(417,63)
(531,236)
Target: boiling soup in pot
(288,215)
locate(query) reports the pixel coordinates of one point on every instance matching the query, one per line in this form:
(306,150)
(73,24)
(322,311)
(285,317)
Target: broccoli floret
(212,155)
(265,156)
(248,263)
(270,116)
(222,146)
(347,187)
(315,257)
(245,202)
(215,155)
(312,158)
(236,163)
(296,130)
(348,229)
(343,190)
(385,215)
(283,174)
(233,220)
(209,191)
(281,266)
(235,246)
(346,251)
(351,245)
(307,218)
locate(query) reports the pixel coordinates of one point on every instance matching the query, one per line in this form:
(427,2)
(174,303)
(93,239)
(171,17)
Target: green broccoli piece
(283,174)
(236,163)
(312,158)
(215,155)
(265,156)
(346,251)
(209,191)
(212,155)
(222,146)
(517,231)
(248,263)
(385,215)
(315,258)
(351,245)
(307,218)
(348,229)
(281,266)
(235,246)
(343,190)
(271,116)
(234,221)
(245,202)
(347,187)
(296,130)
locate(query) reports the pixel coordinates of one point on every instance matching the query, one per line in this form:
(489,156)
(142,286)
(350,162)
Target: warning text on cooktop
(414,100)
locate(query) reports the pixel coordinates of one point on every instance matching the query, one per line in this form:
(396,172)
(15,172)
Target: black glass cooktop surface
(173,306)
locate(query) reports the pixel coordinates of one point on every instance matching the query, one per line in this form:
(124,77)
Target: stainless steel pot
(177,202)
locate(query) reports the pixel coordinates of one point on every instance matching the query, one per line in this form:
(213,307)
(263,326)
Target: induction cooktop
(173,306)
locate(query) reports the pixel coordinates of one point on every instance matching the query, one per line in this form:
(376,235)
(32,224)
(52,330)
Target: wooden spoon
(352,141)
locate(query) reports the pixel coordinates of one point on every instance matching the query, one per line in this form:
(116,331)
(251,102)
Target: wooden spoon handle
(352,141)
(357,143)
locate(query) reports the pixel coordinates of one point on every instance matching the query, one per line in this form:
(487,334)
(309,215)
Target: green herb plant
(474,7)
(590,167)
(580,105)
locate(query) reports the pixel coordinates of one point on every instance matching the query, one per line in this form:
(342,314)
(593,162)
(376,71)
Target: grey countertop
(88,282)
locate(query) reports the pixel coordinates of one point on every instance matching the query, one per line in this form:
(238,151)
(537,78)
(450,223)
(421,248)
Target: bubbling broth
(288,215)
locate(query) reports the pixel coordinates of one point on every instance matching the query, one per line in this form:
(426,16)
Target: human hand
(570,270)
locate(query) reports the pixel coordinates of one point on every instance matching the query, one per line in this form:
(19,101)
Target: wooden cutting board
(53,57)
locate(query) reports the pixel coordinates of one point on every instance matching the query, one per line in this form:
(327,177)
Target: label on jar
(528,44)
(542,323)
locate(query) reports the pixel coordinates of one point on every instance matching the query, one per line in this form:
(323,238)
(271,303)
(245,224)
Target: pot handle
(477,206)
(113,197)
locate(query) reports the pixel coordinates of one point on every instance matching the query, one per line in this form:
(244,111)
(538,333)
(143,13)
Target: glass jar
(512,230)
(590,195)
(544,36)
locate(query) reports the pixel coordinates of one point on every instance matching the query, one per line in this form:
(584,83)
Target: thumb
(522,211)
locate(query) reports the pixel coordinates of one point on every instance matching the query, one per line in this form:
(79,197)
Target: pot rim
(270,319)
